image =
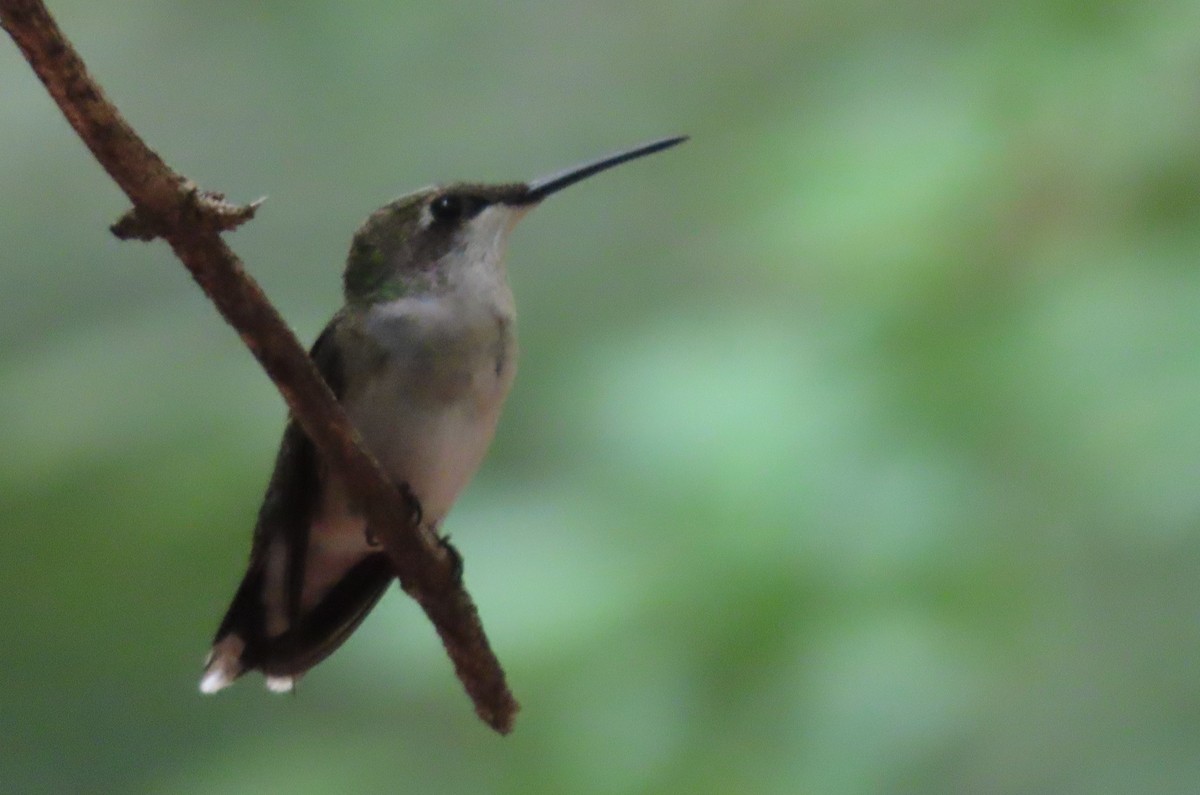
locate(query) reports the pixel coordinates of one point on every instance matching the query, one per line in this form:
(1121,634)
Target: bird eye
(448,207)
(455,206)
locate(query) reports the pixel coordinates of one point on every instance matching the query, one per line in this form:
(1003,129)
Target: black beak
(539,189)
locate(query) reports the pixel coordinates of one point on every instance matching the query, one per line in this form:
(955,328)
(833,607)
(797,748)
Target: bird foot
(456,560)
(415,518)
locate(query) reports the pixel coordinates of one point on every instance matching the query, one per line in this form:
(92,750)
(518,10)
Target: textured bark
(167,205)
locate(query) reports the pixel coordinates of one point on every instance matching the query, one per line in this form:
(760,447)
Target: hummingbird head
(419,241)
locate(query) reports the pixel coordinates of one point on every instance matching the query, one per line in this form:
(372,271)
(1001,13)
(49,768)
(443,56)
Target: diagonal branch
(167,205)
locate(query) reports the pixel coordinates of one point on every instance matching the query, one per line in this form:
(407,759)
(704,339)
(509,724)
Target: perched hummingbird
(421,356)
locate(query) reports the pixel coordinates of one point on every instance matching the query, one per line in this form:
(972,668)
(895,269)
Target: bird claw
(418,515)
(415,517)
(456,559)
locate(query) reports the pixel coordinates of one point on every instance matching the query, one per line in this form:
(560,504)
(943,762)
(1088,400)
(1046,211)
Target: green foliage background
(855,446)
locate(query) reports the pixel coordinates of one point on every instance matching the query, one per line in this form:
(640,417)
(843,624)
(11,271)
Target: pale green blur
(855,445)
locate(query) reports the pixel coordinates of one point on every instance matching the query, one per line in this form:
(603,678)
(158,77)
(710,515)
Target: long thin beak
(539,189)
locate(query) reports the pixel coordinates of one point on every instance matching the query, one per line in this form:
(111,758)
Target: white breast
(430,411)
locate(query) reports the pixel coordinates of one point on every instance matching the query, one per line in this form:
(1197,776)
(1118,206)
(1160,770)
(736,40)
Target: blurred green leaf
(853,449)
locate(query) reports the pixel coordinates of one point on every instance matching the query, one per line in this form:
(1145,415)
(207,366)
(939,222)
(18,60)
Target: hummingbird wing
(272,624)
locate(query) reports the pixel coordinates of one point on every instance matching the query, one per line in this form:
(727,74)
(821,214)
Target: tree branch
(167,205)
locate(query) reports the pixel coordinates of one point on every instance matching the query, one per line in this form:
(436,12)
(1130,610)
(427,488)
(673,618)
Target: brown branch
(167,205)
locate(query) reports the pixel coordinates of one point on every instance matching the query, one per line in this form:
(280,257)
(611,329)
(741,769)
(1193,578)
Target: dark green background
(855,444)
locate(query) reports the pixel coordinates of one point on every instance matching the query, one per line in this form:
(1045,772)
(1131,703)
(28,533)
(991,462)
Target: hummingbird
(421,357)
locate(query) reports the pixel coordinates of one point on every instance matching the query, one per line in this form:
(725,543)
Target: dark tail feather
(242,644)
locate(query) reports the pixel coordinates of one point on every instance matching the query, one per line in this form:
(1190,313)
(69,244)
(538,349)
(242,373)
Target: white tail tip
(281,684)
(223,665)
(214,681)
